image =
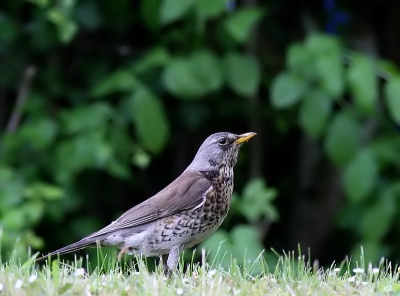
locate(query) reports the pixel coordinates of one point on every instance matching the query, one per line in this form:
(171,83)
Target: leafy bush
(100,96)
(340,105)
(64,130)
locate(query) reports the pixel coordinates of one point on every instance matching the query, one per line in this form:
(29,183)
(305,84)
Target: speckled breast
(193,226)
(208,218)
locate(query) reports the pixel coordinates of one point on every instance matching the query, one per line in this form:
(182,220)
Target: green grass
(292,275)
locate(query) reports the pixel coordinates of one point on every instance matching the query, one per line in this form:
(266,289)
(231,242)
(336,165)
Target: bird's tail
(68,249)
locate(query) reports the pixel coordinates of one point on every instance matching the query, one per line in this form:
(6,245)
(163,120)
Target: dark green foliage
(357,137)
(102,97)
(104,103)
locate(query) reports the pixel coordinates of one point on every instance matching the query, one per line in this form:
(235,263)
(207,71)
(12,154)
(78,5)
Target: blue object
(336,17)
(230,5)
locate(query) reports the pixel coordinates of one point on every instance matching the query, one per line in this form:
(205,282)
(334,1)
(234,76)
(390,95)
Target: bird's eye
(222,141)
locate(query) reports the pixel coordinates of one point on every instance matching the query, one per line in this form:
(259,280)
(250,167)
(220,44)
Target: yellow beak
(244,137)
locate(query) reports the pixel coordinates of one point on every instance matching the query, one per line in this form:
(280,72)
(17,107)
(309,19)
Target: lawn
(292,275)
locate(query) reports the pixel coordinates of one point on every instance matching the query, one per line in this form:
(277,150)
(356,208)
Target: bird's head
(219,149)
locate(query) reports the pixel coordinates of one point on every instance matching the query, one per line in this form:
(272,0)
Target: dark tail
(70,248)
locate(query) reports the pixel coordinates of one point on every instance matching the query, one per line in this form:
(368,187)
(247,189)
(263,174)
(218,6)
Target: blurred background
(103,103)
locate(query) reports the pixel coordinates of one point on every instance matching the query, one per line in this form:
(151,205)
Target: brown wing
(186,192)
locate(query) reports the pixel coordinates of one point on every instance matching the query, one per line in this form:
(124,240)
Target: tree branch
(23,91)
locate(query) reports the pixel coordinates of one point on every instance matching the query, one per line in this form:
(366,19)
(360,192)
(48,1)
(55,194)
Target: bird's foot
(122,252)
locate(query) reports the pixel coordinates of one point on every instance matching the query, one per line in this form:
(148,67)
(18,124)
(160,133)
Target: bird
(181,215)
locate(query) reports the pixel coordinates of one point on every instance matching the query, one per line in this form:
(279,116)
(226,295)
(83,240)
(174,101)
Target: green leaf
(330,72)
(241,22)
(39,133)
(67,28)
(242,244)
(243,74)
(151,124)
(342,140)
(322,44)
(363,83)
(360,176)
(392,98)
(194,77)
(157,57)
(246,243)
(141,158)
(257,201)
(180,80)
(286,90)
(377,219)
(45,191)
(386,150)
(219,248)
(118,81)
(86,117)
(172,10)
(388,66)
(210,8)
(32,211)
(14,219)
(328,65)
(298,59)
(11,189)
(85,150)
(314,113)
(208,70)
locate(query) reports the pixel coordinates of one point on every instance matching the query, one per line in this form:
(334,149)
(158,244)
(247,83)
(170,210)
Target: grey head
(218,150)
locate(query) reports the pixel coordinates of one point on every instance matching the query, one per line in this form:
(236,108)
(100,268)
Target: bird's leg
(122,252)
(170,261)
(164,259)
(173,258)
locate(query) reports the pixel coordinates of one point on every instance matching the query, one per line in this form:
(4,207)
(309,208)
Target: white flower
(351,279)
(1,287)
(179,291)
(333,272)
(358,270)
(18,284)
(32,278)
(127,288)
(375,270)
(212,272)
(79,272)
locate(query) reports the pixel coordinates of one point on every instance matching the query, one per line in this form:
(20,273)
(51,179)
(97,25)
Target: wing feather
(186,192)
